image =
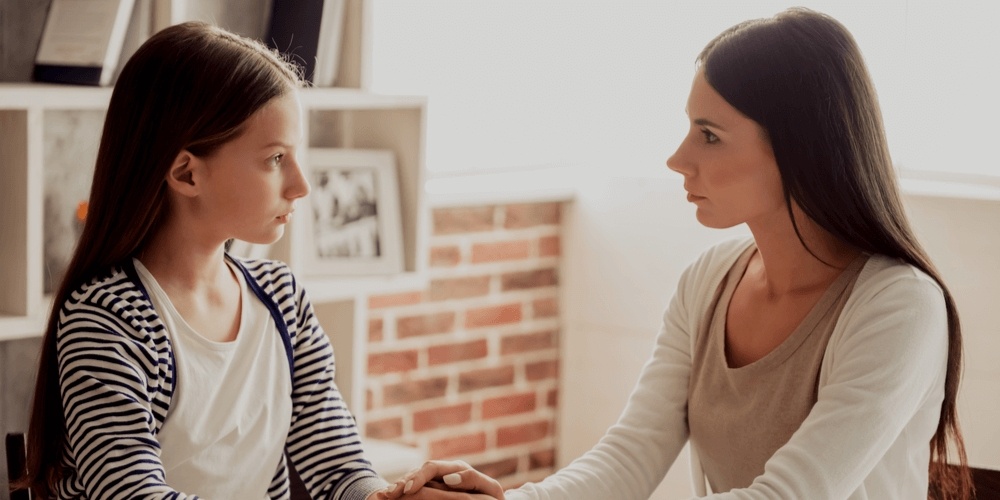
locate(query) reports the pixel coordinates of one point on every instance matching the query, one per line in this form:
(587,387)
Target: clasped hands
(443,480)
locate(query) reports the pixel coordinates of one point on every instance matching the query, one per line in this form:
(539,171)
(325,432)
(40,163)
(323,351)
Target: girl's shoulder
(114,302)
(267,276)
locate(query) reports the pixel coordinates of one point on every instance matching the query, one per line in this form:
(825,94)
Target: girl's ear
(180,176)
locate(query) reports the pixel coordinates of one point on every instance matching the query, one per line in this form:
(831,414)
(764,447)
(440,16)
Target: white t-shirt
(231,410)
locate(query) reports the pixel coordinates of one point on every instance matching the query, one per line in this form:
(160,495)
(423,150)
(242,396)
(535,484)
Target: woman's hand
(445,481)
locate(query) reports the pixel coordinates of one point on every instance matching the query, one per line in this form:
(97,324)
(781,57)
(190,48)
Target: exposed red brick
(446,256)
(459,288)
(549,246)
(395,299)
(523,433)
(459,445)
(487,377)
(427,324)
(442,417)
(499,468)
(542,459)
(375,330)
(545,308)
(529,279)
(542,370)
(531,214)
(389,428)
(463,219)
(552,399)
(414,390)
(493,315)
(450,353)
(389,362)
(528,342)
(509,405)
(500,251)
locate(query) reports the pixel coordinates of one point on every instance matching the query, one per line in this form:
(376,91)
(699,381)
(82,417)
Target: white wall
(523,83)
(627,240)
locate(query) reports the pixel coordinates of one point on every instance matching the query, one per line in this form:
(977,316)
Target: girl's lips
(694,197)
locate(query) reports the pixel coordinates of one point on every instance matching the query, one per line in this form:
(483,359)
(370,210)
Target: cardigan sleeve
(886,365)
(109,383)
(323,441)
(635,454)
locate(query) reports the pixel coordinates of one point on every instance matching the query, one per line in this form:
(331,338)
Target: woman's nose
(678,162)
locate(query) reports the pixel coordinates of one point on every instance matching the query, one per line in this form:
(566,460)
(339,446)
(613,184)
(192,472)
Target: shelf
(351,287)
(21,327)
(71,97)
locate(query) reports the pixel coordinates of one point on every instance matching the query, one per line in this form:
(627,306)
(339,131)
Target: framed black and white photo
(354,223)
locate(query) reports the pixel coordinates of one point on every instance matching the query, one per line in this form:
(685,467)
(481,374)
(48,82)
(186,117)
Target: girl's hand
(445,480)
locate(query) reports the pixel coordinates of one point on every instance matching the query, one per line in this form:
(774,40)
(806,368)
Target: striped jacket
(116,375)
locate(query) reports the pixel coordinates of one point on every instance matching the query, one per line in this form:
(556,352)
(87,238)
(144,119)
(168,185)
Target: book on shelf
(82,41)
(310,33)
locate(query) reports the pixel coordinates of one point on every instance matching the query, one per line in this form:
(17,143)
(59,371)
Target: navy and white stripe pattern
(116,372)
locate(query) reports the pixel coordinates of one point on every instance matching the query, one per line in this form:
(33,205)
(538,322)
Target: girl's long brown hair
(801,76)
(189,87)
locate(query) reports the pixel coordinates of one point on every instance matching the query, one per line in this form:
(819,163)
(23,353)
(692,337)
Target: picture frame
(353,223)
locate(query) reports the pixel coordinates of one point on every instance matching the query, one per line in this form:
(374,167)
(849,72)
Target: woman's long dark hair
(801,76)
(189,87)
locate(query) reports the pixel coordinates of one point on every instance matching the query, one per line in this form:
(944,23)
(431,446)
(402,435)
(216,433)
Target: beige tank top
(738,417)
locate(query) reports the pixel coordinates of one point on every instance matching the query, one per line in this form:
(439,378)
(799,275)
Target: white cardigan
(881,385)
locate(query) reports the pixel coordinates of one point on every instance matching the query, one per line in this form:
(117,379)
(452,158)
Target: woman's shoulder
(717,259)
(883,274)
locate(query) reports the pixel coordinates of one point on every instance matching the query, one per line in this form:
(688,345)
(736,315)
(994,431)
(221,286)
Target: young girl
(819,359)
(170,369)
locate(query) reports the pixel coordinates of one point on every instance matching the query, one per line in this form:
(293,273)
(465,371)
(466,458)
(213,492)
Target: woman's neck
(785,264)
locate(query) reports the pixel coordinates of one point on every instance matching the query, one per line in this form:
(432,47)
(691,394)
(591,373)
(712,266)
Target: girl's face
(729,170)
(250,183)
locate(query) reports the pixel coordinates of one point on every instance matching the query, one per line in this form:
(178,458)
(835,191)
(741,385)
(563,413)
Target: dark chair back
(15,463)
(987,483)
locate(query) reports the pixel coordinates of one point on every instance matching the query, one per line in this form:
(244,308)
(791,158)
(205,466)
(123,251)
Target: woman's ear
(180,176)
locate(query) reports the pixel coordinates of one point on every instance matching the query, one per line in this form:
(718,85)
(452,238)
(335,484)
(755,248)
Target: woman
(170,369)
(819,359)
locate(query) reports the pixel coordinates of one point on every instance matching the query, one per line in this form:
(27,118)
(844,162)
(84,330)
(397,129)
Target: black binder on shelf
(82,41)
(310,32)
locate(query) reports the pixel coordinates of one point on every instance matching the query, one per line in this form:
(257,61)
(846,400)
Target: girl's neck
(181,260)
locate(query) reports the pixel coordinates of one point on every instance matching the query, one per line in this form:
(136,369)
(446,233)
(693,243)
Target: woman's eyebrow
(707,123)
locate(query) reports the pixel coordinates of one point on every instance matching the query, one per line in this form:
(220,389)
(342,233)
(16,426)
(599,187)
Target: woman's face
(729,169)
(252,181)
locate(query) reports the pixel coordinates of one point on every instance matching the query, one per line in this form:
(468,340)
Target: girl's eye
(710,138)
(276,159)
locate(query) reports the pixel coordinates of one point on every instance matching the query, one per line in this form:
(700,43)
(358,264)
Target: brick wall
(467,369)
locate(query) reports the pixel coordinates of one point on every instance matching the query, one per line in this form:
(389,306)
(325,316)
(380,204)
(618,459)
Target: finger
(393,491)
(473,480)
(416,479)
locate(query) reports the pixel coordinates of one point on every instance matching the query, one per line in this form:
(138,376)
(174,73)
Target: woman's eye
(276,159)
(710,138)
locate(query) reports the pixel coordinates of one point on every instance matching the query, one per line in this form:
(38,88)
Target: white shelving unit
(341,117)
(347,118)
